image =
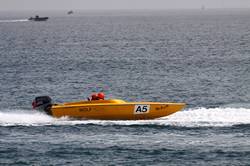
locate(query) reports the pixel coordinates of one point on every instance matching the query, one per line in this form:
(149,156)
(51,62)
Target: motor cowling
(42,103)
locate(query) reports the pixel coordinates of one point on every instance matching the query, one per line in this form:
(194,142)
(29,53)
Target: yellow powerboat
(112,109)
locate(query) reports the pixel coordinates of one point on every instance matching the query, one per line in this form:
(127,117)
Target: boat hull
(38,18)
(115,110)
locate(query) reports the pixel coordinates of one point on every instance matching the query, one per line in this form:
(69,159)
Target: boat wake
(21,20)
(196,117)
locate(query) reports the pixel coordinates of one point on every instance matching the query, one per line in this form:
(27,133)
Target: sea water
(198,57)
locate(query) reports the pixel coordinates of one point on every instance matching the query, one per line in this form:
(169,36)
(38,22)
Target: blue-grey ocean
(200,57)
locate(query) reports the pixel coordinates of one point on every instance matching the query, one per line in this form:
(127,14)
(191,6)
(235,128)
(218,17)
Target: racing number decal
(141,109)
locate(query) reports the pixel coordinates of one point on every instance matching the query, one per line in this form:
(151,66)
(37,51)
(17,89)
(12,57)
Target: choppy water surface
(198,57)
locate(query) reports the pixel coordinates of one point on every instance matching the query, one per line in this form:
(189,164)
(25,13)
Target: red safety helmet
(101,96)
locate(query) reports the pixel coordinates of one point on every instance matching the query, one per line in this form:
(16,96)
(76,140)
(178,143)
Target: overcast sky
(10,5)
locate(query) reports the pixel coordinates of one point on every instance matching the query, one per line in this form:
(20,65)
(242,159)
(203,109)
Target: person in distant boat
(99,96)
(94,96)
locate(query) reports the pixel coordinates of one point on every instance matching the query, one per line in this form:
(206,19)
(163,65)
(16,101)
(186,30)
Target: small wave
(198,117)
(21,20)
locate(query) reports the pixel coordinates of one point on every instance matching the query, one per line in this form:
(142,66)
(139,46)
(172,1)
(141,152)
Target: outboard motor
(42,103)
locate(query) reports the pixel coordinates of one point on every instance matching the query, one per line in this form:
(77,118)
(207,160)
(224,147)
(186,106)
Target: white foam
(210,117)
(197,117)
(21,20)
